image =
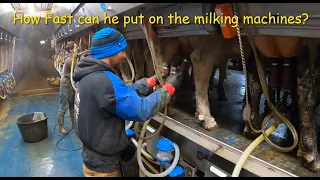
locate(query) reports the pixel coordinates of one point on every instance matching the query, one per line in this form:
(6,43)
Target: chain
(242,53)
(151,48)
(247,108)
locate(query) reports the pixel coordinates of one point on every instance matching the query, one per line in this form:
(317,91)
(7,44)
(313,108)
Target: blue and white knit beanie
(107,42)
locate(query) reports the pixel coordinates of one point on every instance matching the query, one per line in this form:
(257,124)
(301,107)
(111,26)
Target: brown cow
(289,48)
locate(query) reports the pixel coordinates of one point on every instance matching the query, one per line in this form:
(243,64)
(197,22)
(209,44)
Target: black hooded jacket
(102,104)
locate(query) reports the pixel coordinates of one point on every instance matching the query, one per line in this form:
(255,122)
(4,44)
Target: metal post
(13,49)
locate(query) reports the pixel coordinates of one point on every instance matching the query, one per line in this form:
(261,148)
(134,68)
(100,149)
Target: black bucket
(33,127)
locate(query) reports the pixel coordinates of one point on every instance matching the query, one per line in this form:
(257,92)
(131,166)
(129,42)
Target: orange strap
(146,23)
(226,10)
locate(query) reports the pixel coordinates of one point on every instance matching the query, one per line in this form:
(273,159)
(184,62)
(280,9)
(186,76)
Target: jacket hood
(88,65)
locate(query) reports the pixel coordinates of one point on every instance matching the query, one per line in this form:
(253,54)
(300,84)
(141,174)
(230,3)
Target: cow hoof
(308,157)
(209,124)
(248,133)
(311,162)
(313,166)
(222,98)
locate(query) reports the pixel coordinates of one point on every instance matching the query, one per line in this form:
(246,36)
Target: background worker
(103,103)
(66,90)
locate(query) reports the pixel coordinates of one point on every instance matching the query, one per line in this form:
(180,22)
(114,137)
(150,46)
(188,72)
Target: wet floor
(37,159)
(42,159)
(228,115)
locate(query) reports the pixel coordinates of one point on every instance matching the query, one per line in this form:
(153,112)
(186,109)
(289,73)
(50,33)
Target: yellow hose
(71,71)
(262,78)
(253,145)
(279,117)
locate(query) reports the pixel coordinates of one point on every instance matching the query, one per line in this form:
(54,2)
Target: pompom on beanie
(107,42)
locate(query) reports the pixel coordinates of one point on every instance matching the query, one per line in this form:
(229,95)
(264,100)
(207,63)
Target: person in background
(66,90)
(103,102)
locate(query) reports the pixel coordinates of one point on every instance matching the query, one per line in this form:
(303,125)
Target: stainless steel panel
(152,143)
(310,29)
(183,9)
(194,157)
(6,20)
(167,30)
(225,151)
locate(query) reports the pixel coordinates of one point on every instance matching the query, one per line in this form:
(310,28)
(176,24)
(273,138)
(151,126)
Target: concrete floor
(34,83)
(41,159)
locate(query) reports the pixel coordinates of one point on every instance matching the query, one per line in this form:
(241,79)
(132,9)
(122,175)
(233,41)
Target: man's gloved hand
(173,83)
(153,81)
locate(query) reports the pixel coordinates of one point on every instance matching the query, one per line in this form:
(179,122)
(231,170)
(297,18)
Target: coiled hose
(278,116)
(145,125)
(151,49)
(167,171)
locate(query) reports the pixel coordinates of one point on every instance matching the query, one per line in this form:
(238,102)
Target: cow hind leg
(254,93)
(202,68)
(308,95)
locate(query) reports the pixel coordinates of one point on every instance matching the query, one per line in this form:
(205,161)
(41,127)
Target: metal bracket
(189,170)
